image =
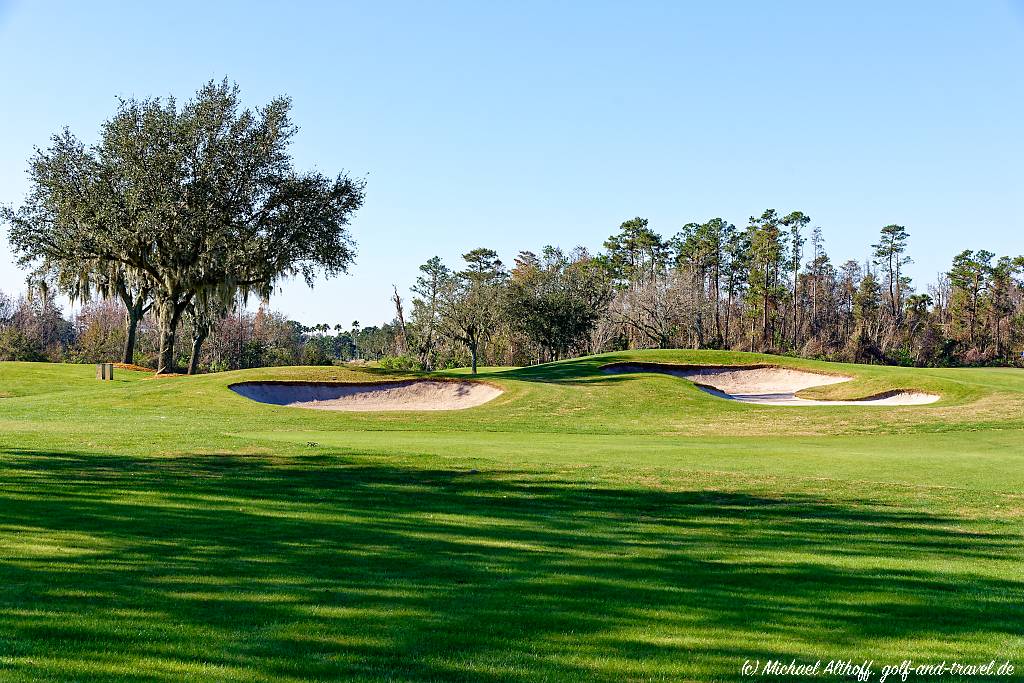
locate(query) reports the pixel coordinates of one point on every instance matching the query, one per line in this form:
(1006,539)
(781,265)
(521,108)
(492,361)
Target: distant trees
(796,222)
(1006,300)
(636,253)
(768,287)
(99,331)
(969,277)
(556,299)
(867,303)
(432,285)
(707,253)
(890,256)
(985,302)
(471,304)
(33,328)
(180,209)
(767,256)
(637,262)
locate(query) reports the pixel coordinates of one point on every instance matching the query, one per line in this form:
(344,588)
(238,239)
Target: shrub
(15,345)
(399,363)
(316,354)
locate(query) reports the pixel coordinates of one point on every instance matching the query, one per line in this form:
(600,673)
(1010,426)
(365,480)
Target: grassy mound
(581,526)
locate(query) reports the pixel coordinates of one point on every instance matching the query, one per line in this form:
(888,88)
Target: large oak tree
(188,202)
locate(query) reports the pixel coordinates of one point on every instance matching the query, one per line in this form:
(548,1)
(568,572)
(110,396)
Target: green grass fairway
(582,526)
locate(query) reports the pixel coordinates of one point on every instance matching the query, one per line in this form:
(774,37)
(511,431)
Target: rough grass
(582,526)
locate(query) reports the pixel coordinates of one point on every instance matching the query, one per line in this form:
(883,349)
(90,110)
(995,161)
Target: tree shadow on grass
(252,568)
(574,371)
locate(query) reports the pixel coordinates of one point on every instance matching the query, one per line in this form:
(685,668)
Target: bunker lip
(438,393)
(768,384)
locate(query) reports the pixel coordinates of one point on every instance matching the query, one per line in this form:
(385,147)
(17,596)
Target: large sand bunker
(769,385)
(416,394)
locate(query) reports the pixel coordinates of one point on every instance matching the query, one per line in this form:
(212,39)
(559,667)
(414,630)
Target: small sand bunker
(414,394)
(770,385)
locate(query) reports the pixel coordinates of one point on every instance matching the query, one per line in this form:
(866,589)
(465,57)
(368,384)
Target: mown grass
(583,526)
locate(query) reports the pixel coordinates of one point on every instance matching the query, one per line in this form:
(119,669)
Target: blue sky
(515,125)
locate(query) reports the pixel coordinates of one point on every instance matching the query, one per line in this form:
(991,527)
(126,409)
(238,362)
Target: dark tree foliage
(557,299)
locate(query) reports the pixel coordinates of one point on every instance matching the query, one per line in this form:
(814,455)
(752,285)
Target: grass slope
(582,526)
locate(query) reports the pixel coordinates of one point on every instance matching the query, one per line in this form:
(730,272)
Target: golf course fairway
(579,526)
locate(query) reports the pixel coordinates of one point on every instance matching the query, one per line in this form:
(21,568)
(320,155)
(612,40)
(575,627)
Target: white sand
(406,395)
(772,386)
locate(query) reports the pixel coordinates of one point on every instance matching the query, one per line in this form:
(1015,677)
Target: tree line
(769,286)
(36,329)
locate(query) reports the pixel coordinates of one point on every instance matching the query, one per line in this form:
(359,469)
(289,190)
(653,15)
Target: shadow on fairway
(242,567)
(574,371)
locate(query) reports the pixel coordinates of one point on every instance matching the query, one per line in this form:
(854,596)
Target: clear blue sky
(517,124)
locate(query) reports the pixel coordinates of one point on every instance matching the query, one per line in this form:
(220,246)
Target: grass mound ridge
(407,394)
(771,384)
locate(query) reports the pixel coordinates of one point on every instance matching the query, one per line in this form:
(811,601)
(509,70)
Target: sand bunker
(769,385)
(405,395)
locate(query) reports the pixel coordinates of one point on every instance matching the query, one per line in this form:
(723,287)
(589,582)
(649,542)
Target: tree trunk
(728,317)
(132,317)
(472,352)
(796,303)
(197,345)
(718,307)
(764,314)
(400,317)
(426,352)
(165,359)
(698,286)
(134,308)
(170,315)
(814,302)
(894,276)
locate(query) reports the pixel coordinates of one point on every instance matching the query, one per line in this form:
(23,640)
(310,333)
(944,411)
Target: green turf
(582,526)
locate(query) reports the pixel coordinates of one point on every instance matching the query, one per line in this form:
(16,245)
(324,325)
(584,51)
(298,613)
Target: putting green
(580,526)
